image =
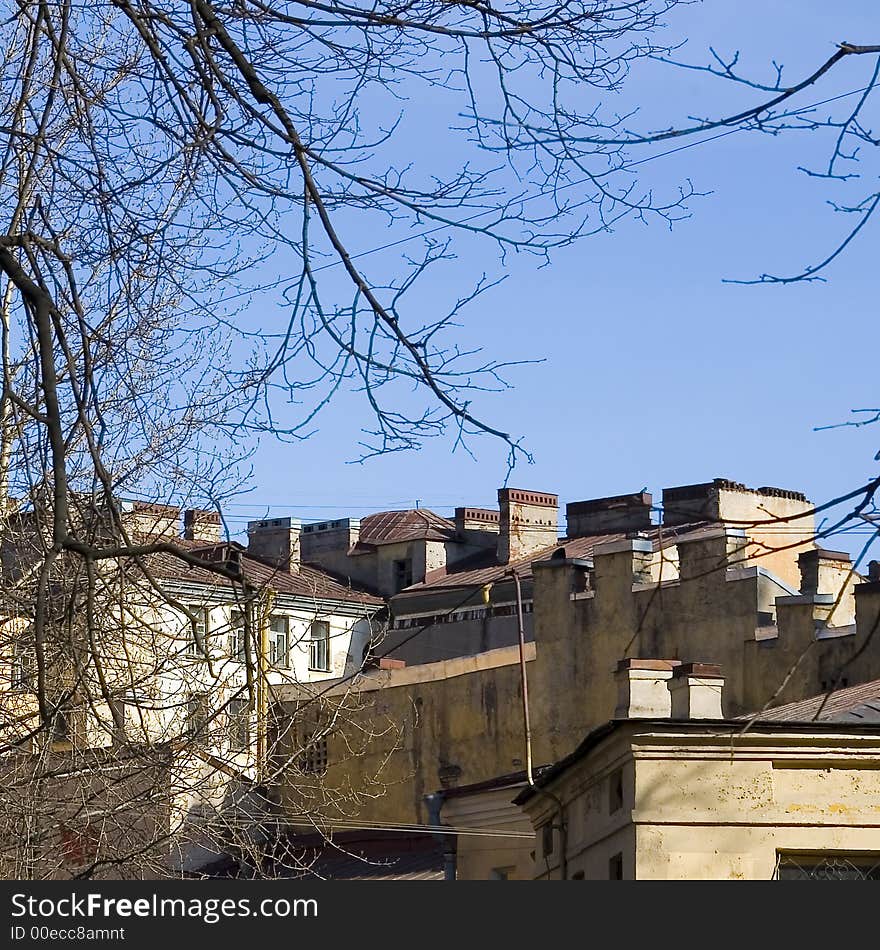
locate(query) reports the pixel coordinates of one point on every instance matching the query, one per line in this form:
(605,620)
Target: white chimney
(643,689)
(695,691)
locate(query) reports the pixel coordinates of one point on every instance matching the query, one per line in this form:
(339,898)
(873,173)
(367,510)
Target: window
(23,663)
(238,717)
(314,757)
(198,712)
(829,866)
(319,646)
(116,708)
(198,642)
(279,640)
(615,791)
(547,839)
(615,867)
(237,635)
(502,874)
(402,574)
(59,726)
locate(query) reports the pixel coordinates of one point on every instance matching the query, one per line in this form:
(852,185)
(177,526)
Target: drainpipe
(434,801)
(563,836)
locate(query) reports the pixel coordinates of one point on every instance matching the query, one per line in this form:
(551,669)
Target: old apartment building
(673,789)
(730,575)
(181,665)
(254,679)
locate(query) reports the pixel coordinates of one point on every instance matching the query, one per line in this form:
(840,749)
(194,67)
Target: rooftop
(389,527)
(362,856)
(308,582)
(483,567)
(852,704)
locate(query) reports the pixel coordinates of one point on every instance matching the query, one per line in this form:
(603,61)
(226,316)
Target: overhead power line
(427,232)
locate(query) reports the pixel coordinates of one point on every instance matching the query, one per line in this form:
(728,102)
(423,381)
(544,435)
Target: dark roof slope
(363,856)
(308,582)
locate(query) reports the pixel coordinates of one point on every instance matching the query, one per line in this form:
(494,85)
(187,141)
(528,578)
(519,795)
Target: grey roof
(852,704)
(363,856)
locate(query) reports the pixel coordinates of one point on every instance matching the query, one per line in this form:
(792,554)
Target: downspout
(434,801)
(563,835)
(262,697)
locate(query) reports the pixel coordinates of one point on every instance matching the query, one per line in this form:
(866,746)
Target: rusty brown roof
(307,581)
(388,527)
(860,703)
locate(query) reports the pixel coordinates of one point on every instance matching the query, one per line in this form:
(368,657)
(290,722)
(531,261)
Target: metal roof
(860,703)
(363,856)
(389,527)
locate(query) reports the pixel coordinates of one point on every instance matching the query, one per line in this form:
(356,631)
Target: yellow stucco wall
(698,805)
(460,721)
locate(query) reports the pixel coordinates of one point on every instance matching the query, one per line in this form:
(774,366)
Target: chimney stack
(527,523)
(276,540)
(475,519)
(147,519)
(201,525)
(643,689)
(778,522)
(695,691)
(617,514)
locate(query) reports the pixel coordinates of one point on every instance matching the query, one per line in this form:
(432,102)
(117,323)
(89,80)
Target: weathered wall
(455,723)
(480,856)
(790,796)
(462,719)
(777,521)
(698,805)
(773,647)
(415,645)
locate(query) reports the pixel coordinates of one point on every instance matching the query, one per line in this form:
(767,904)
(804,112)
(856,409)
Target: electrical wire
(581,181)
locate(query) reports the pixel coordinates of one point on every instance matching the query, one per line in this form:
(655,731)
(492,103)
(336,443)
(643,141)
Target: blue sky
(655,372)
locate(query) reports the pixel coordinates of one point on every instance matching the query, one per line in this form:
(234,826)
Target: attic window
(547,839)
(615,791)
(615,867)
(402,574)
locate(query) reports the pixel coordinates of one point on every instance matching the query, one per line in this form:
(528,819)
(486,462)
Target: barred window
(829,866)
(314,757)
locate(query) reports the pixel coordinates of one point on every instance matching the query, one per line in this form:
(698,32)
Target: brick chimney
(148,519)
(201,525)
(276,540)
(619,513)
(475,519)
(527,523)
